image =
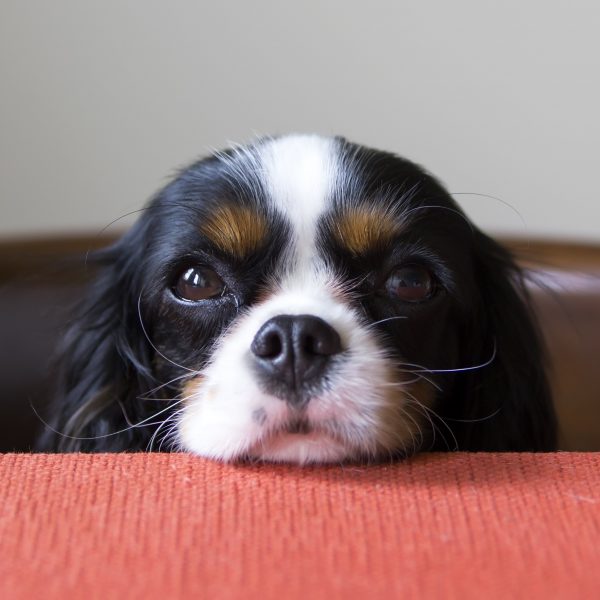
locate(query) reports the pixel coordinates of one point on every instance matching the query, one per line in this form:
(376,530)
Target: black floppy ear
(104,362)
(505,405)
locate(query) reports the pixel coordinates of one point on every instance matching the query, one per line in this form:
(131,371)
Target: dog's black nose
(292,353)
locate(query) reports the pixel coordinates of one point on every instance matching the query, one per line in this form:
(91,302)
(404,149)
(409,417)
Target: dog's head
(304,299)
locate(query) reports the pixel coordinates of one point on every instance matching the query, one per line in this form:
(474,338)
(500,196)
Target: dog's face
(305,299)
(308,275)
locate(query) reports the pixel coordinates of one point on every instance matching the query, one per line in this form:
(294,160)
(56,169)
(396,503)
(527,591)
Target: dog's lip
(277,442)
(297,426)
(300,438)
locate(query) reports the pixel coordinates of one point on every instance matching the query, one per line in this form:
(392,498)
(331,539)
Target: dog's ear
(104,360)
(506,404)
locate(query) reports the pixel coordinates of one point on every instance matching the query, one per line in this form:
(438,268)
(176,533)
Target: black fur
(128,334)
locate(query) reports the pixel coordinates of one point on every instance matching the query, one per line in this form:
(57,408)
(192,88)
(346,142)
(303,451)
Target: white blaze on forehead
(300,173)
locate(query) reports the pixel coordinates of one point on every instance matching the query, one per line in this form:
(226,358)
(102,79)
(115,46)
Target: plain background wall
(101,101)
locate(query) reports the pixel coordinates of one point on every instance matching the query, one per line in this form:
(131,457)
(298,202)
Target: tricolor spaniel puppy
(305,300)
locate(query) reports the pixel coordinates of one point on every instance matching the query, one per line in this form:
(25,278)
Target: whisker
(490,416)
(139,309)
(155,434)
(371,325)
(434,427)
(421,368)
(167,383)
(142,423)
(104,229)
(412,433)
(418,377)
(453,210)
(170,419)
(507,204)
(435,414)
(170,433)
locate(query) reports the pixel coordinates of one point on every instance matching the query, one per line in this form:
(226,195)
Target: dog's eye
(198,283)
(410,283)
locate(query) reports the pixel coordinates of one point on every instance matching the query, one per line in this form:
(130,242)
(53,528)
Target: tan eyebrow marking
(236,230)
(363,228)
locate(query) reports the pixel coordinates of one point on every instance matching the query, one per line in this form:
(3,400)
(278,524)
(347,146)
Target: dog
(303,299)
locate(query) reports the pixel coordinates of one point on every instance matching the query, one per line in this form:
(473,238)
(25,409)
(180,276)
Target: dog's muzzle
(291,355)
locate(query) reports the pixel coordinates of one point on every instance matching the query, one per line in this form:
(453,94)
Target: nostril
(267,345)
(272,345)
(316,337)
(308,344)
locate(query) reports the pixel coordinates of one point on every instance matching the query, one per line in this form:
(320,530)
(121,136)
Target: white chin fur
(299,448)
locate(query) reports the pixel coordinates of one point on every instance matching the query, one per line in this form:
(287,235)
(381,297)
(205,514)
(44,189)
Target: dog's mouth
(300,441)
(298,426)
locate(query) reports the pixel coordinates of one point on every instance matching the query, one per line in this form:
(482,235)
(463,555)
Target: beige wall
(100,101)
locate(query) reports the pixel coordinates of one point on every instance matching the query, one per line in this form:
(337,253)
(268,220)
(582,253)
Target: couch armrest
(175,526)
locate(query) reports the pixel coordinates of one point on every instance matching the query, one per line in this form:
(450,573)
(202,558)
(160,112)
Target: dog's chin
(299,448)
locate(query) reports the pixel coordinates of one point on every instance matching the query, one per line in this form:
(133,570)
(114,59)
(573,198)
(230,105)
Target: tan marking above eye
(236,230)
(365,228)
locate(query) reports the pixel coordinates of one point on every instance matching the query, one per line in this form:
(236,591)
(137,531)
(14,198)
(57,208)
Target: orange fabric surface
(175,526)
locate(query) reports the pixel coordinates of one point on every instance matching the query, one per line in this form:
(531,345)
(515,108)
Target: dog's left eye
(198,283)
(411,283)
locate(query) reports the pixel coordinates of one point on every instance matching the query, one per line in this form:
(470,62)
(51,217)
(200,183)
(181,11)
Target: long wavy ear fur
(104,363)
(506,405)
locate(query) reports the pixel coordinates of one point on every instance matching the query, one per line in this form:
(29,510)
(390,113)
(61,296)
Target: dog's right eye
(198,283)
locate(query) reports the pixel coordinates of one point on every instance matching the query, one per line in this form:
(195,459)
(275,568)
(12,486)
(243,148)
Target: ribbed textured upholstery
(175,526)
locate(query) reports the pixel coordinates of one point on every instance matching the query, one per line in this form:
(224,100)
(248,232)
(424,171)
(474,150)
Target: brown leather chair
(40,279)
(567,299)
